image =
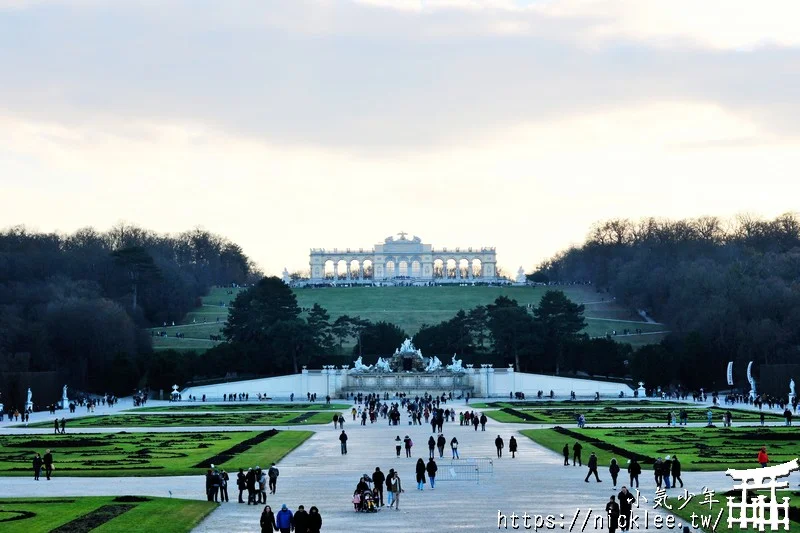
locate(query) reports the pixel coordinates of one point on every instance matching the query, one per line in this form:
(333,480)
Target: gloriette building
(399,258)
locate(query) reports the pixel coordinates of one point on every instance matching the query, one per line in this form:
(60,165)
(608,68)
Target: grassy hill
(411,308)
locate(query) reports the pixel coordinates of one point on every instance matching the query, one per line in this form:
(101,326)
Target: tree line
(77,303)
(727,288)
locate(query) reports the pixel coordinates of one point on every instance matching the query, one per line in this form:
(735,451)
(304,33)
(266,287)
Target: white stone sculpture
(285,276)
(752,381)
(64,393)
(382,365)
(455,365)
(29,402)
(434,364)
(521,276)
(359,366)
(792,395)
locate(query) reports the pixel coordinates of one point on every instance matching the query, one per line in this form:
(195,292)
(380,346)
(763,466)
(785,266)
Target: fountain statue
(29,402)
(752,381)
(434,364)
(359,366)
(408,347)
(382,365)
(64,399)
(456,365)
(521,278)
(792,395)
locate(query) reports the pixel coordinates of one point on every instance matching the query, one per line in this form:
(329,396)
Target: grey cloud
(355,77)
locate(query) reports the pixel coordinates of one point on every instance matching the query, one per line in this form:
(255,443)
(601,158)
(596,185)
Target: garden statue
(434,364)
(792,395)
(456,365)
(382,365)
(29,402)
(359,366)
(521,276)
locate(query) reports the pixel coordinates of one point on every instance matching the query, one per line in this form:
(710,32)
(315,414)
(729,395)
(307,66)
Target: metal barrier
(468,469)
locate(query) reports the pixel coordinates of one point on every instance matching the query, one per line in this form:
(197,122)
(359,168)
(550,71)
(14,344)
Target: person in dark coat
(593,469)
(37,466)
(431,468)
(666,470)
(378,479)
(512,446)
(565,451)
(612,514)
(498,443)
(397,445)
(676,471)
(440,442)
(625,504)
(613,469)
(483,422)
(475,422)
(241,483)
(301,520)
(408,444)
(250,479)
(314,520)
(658,472)
(48,463)
(343,441)
(634,469)
(55,425)
(268,520)
(431,446)
(420,474)
(576,453)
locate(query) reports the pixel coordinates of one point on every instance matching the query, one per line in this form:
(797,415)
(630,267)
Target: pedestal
(64,403)
(642,392)
(28,406)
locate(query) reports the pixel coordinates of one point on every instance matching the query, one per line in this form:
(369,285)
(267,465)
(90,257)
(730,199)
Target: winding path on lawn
(317,474)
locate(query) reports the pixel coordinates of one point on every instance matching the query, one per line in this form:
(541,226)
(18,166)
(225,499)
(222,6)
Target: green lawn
(410,308)
(144,454)
(699,449)
(143,516)
(236,406)
(267,418)
(622,415)
(569,404)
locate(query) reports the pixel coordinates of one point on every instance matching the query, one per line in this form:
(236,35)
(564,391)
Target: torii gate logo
(760,512)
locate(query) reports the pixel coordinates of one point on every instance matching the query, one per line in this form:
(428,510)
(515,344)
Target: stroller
(364,500)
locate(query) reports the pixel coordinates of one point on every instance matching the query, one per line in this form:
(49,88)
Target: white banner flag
(730,373)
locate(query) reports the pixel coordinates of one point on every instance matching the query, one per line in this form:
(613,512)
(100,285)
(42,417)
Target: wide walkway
(316,473)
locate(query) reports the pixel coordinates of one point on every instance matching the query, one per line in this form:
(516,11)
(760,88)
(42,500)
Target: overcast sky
(286,125)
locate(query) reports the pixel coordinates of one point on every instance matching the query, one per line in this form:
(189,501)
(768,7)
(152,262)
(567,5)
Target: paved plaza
(316,473)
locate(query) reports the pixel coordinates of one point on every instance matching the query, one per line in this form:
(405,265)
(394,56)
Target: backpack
(273,472)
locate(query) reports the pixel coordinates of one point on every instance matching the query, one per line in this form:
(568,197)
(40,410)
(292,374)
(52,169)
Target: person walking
(658,472)
(55,425)
(389,482)
(408,444)
(676,471)
(273,474)
(37,466)
(314,518)
(284,521)
(763,458)
(512,446)
(612,514)
(431,468)
(483,422)
(48,463)
(378,479)
(576,453)
(63,426)
(241,484)
(498,443)
(336,421)
(396,489)
(625,505)
(666,470)
(398,444)
(431,446)
(440,442)
(475,422)
(343,441)
(613,469)
(634,469)
(261,475)
(592,464)
(301,520)
(420,474)
(454,447)
(268,520)
(565,451)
